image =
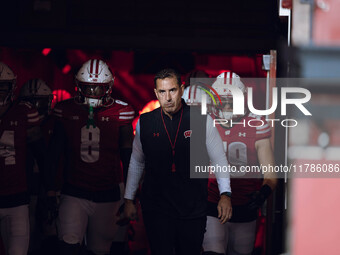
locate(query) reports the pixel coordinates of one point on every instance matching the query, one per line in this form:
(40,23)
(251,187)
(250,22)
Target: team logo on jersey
(227,132)
(155,134)
(14,123)
(187,133)
(105,118)
(242,134)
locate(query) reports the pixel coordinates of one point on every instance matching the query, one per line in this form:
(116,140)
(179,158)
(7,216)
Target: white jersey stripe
(263,131)
(32,114)
(34,120)
(58,110)
(262,127)
(125,117)
(126,113)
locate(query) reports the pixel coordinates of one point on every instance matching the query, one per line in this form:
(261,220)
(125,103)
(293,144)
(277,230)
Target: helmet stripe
(189,92)
(91,68)
(195,93)
(97,68)
(228,77)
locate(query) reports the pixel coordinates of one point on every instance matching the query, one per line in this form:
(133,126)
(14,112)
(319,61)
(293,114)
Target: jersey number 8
(89,147)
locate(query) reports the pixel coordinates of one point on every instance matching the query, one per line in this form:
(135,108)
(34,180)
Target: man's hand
(224,209)
(122,219)
(130,210)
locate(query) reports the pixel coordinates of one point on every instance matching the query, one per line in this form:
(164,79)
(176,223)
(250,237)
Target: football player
(244,145)
(96,133)
(43,209)
(39,94)
(19,129)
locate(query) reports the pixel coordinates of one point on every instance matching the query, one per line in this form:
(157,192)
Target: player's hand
(130,210)
(224,209)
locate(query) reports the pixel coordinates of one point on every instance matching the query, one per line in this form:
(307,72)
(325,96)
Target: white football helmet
(225,111)
(7,84)
(193,95)
(37,92)
(94,83)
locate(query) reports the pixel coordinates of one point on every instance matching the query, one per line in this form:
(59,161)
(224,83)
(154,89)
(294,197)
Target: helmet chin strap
(93,102)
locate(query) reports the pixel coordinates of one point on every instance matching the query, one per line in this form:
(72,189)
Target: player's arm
(266,158)
(135,172)
(218,157)
(125,147)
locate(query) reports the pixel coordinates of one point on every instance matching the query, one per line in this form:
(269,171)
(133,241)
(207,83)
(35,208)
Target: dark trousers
(169,236)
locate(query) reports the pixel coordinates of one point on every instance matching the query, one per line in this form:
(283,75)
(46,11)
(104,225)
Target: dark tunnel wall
(137,38)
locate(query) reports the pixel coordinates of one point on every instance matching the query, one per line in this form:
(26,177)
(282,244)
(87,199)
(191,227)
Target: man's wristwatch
(228,194)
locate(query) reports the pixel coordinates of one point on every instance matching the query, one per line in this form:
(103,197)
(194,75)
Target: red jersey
(93,146)
(239,145)
(13,147)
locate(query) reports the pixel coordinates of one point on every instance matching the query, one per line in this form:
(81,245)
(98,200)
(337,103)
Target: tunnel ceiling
(211,26)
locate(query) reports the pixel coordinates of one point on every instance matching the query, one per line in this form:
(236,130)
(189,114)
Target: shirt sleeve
(217,156)
(136,166)
(126,114)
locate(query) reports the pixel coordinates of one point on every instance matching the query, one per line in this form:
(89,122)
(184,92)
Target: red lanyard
(173,168)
